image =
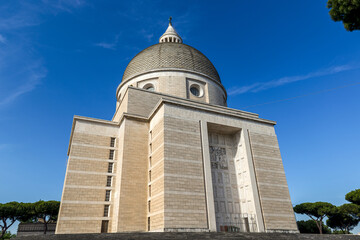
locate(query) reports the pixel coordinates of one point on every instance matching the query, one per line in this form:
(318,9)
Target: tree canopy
(344,217)
(310,226)
(46,211)
(10,213)
(353,196)
(316,211)
(41,211)
(347,11)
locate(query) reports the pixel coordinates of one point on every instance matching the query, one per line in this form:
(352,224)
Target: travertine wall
(275,203)
(83,199)
(117,181)
(185,203)
(132,191)
(273,189)
(159,165)
(156,170)
(175,83)
(172,85)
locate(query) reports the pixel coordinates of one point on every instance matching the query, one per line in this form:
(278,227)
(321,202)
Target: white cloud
(33,80)
(63,5)
(260,86)
(106,45)
(21,70)
(2,39)
(109,45)
(146,34)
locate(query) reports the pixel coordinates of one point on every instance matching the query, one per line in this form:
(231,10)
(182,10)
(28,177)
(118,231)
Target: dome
(170,56)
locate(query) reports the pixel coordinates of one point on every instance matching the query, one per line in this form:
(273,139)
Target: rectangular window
(104,226)
(150,133)
(112,142)
(111,154)
(107,195)
(148,223)
(149,176)
(149,190)
(106,210)
(150,148)
(108,181)
(110,167)
(149,202)
(150,164)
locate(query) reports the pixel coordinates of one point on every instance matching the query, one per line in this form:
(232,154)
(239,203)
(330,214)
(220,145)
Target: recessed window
(107,195)
(104,226)
(111,154)
(110,167)
(196,90)
(108,181)
(112,142)
(106,210)
(149,87)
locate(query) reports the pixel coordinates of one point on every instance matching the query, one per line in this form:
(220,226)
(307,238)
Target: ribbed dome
(170,56)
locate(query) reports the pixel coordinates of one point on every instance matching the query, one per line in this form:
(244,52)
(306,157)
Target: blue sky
(64,58)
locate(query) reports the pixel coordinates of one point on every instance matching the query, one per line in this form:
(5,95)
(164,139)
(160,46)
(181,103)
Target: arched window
(149,87)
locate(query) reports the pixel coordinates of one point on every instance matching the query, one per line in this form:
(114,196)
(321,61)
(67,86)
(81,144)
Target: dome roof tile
(166,56)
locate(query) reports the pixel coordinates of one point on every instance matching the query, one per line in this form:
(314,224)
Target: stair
(183,235)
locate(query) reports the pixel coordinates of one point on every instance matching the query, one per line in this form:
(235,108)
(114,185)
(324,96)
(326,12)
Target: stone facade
(174,158)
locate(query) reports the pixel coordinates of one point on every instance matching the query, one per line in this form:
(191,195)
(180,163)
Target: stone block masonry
(151,170)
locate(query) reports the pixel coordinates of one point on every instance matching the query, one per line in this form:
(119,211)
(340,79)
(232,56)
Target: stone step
(173,235)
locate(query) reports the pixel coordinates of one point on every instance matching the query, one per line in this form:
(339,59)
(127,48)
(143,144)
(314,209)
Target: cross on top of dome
(170,34)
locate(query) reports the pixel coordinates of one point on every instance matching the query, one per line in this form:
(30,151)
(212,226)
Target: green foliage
(310,226)
(347,11)
(46,211)
(8,235)
(10,213)
(340,232)
(41,211)
(353,196)
(344,218)
(316,211)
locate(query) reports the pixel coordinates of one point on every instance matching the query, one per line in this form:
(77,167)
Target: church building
(174,157)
